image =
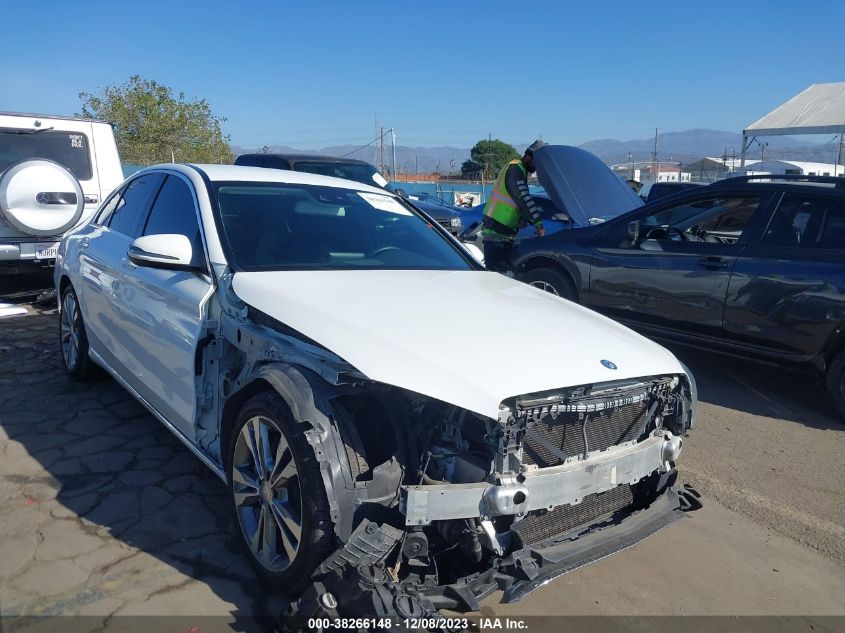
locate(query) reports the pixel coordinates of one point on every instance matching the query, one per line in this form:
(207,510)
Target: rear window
(69,149)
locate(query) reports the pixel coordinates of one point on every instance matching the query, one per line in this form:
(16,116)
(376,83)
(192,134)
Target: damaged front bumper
(522,571)
(542,489)
(355,582)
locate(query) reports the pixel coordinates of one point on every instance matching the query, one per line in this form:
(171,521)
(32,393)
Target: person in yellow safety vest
(509,208)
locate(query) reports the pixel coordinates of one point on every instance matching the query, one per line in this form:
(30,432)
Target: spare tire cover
(40,197)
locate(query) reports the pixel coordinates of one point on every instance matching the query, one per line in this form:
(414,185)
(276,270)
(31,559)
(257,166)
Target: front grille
(540,526)
(548,442)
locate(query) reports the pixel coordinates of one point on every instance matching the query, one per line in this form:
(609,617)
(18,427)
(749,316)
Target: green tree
(154,126)
(493,155)
(470,169)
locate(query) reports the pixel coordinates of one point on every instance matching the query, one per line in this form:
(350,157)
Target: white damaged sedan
(295,332)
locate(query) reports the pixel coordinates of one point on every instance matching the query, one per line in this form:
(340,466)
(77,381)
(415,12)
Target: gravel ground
(103,512)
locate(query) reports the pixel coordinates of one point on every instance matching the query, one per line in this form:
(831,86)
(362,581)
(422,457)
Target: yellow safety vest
(501,207)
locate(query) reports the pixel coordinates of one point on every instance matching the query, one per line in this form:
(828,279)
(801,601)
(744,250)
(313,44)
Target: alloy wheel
(267,494)
(70,331)
(543,285)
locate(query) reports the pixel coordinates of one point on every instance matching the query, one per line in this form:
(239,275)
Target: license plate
(46,251)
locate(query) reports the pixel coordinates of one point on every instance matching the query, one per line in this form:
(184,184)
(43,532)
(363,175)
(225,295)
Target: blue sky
(313,74)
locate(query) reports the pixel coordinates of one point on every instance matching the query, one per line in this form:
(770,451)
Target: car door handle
(714,262)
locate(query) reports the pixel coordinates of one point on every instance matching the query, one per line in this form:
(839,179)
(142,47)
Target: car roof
(304,157)
(740,184)
(222,173)
(56,117)
(805,187)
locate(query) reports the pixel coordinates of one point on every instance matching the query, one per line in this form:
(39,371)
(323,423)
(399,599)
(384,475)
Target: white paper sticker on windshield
(380,181)
(384,203)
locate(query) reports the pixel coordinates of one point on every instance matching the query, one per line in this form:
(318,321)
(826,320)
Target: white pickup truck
(54,172)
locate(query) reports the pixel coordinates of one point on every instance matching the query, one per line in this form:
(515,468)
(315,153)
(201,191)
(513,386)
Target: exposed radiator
(548,442)
(543,525)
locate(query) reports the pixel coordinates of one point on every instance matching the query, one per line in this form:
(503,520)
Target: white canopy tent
(820,109)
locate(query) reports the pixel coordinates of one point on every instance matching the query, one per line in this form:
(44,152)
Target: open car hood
(403,328)
(580,184)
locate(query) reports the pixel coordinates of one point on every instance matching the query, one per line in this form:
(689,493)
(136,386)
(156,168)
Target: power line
(375,140)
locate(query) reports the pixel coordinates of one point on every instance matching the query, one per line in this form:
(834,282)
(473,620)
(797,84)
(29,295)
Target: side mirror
(170,251)
(634,231)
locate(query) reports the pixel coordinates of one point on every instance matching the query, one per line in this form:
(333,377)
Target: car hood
(403,328)
(579,183)
(436,210)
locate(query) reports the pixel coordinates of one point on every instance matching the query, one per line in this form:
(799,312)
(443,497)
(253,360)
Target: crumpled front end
(576,475)
(559,480)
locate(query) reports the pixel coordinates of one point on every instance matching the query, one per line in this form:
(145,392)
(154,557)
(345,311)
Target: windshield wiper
(33,131)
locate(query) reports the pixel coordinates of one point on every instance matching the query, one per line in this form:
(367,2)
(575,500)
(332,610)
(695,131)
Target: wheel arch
(306,396)
(229,414)
(64,282)
(564,267)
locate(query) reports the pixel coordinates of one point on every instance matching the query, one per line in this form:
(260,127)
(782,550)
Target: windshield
(359,172)
(69,149)
(277,226)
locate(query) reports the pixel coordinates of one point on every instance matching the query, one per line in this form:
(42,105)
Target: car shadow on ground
(790,393)
(102,510)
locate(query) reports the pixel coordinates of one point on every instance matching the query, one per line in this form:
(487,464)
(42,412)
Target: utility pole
(838,156)
(654,164)
(381,150)
(631,160)
(377,133)
(393,145)
(416,164)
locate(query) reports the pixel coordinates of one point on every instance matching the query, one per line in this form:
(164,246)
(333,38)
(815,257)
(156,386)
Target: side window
(807,222)
(128,217)
(711,220)
(174,211)
(108,208)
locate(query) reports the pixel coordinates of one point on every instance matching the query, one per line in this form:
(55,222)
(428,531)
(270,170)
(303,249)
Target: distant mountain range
(684,147)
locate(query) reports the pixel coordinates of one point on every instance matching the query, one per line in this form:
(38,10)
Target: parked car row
(277,318)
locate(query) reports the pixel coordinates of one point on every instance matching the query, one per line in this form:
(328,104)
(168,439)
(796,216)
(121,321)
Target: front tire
(550,280)
(73,340)
(277,494)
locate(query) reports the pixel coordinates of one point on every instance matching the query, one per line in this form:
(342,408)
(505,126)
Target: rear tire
(277,494)
(836,382)
(73,340)
(550,280)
